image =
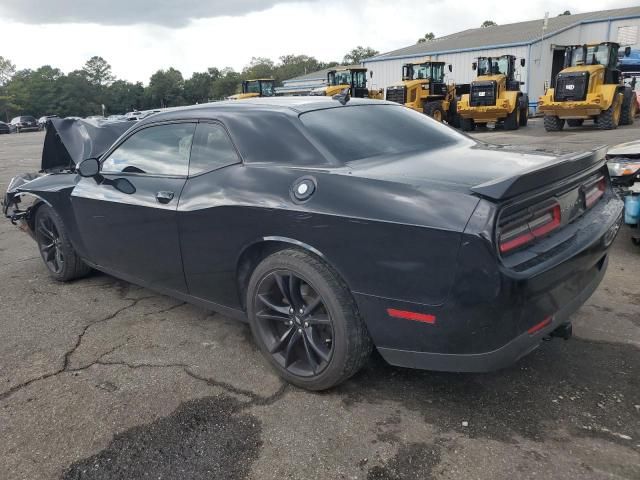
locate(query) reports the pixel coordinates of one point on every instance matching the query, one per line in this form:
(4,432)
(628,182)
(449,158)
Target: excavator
(352,78)
(495,95)
(590,87)
(424,90)
(258,87)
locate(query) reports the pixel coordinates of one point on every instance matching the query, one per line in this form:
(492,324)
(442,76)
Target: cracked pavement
(101,379)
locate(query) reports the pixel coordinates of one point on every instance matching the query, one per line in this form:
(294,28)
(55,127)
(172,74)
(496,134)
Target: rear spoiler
(562,167)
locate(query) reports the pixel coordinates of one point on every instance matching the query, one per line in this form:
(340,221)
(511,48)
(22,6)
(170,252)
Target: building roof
(512,34)
(320,74)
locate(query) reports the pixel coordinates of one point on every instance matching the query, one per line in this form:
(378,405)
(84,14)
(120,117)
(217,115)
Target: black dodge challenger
(331,227)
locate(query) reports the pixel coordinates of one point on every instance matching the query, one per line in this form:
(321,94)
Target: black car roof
(292,105)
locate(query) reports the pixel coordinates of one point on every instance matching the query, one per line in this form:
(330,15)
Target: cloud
(167,13)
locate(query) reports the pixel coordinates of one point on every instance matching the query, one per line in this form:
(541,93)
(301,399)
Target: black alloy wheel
(56,250)
(50,244)
(294,323)
(305,320)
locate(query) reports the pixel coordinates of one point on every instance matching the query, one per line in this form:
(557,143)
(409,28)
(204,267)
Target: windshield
(435,71)
(493,66)
(267,89)
(364,131)
(598,55)
(253,87)
(360,79)
(342,77)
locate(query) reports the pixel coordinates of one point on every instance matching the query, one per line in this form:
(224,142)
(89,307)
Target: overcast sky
(137,37)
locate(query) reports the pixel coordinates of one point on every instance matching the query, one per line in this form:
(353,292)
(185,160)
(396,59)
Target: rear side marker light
(542,223)
(416,317)
(539,326)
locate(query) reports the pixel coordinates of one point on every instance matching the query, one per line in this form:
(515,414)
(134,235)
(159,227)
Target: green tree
(122,96)
(259,67)
(427,37)
(358,54)
(197,89)
(98,71)
(7,69)
(226,84)
(566,12)
(166,88)
(488,23)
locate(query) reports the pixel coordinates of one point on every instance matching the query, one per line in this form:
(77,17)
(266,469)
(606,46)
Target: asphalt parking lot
(102,379)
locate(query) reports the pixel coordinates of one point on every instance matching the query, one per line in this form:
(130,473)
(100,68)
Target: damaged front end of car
(67,142)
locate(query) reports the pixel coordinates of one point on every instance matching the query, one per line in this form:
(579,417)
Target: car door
(206,219)
(126,217)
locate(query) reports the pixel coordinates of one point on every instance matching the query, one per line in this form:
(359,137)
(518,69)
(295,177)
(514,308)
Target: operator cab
(264,87)
(604,54)
(504,65)
(353,78)
(424,71)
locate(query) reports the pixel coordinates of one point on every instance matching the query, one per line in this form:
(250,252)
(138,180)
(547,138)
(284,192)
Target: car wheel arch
(252,254)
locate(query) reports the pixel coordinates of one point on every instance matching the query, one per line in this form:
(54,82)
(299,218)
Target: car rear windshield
(364,131)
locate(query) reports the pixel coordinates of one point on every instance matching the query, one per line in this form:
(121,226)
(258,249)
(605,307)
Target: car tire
(453,118)
(314,350)
(56,250)
(434,110)
(609,119)
(467,124)
(512,122)
(629,107)
(553,123)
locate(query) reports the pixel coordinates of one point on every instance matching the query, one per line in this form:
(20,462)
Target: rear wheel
(629,107)
(575,122)
(56,250)
(434,110)
(305,320)
(512,122)
(553,123)
(609,119)
(467,124)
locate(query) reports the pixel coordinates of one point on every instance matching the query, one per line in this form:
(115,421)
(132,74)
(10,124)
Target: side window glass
(159,150)
(212,149)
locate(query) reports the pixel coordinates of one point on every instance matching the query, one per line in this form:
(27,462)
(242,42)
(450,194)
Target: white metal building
(540,46)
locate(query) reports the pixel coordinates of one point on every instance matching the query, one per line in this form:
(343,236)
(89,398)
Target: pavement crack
(255,399)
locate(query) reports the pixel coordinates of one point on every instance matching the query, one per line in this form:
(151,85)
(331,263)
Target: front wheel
(434,110)
(553,123)
(305,321)
(512,122)
(609,119)
(56,250)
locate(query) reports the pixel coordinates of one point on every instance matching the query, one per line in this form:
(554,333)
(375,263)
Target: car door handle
(164,197)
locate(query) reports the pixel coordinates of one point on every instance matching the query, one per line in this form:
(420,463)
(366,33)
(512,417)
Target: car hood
(462,166)
(69,141)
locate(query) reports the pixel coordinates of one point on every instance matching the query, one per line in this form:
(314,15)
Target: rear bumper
(502,357)
(494,315)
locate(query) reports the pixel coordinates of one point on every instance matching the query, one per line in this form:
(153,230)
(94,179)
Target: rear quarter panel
(386,239)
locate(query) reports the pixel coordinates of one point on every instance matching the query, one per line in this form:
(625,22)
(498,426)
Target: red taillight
(521,232)
(593,192)
(407,315)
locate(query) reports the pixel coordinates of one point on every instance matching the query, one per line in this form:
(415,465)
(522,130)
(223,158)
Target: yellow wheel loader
(423,89)
(590,87)
(259,87)
(353,78)
(495,95)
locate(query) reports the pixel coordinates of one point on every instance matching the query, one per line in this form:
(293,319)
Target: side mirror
(89,168)
(627,51)
(522,62)
(474,65)
(450,68)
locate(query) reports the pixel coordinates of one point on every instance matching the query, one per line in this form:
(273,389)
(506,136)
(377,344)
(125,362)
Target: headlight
(622,169)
